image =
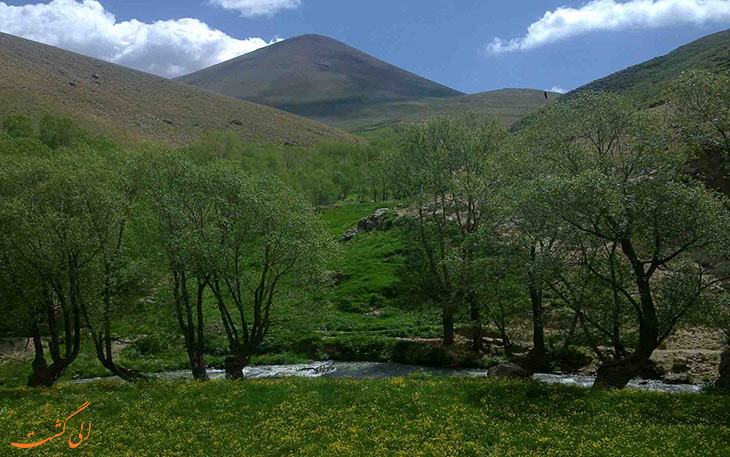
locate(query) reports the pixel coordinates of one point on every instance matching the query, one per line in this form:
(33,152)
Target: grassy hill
(133,106)
(507,105)
(648,82)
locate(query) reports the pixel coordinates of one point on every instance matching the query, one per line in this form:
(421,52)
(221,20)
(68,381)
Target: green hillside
(132,106)
(648,82)
(507,105)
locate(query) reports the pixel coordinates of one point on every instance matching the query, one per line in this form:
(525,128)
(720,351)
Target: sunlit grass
(401,416)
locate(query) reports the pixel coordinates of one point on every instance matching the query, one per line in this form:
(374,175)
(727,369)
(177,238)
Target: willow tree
(617,179)
(268,238)
(51,212)
(179,193)
(445,169)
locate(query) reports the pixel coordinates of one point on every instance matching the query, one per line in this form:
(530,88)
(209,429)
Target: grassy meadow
(415,415)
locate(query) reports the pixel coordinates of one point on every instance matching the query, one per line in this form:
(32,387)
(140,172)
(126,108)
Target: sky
(470,45)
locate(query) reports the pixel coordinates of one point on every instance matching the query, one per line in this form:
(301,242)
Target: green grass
(416,415)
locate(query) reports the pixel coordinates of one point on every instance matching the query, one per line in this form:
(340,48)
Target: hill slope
(507,105)
(647,82)
(133,106)
(314,76)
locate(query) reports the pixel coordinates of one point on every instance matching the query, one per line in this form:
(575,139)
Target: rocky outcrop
(372,222)
(508,371)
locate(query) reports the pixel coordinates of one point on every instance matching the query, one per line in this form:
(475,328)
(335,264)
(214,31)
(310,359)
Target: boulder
(349,235)
(509,371)
(373,220)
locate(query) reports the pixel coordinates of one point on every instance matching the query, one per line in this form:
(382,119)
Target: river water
(379,370)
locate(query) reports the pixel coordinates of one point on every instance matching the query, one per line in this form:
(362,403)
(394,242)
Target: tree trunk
(723,382)
(616,374)
(234,366)
(197,364)
(448,323)
(477,331)
(538,332)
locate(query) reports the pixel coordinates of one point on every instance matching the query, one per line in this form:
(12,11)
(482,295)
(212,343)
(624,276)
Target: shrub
(18,126)
(58,131)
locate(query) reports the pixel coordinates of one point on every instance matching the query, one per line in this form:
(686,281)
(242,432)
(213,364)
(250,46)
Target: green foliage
(18,126)
(58,131)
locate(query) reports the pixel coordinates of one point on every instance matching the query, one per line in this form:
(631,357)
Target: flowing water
(378,370)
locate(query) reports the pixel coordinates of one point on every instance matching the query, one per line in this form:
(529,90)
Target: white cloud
(167,48)
(608,15)
(557,89)
(250,8)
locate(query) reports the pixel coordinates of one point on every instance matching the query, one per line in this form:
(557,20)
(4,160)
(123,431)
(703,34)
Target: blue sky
(569,44)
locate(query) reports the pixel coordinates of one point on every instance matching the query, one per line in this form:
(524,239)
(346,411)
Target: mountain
(331,82)
(133,106)
(648,82)
(314,76)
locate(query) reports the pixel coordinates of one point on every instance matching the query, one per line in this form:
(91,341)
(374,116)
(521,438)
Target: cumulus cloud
(251,8)
(167,48)
(557,89)
(608,15)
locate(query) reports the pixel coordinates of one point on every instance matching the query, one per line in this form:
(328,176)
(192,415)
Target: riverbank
(379,370)
(412,415)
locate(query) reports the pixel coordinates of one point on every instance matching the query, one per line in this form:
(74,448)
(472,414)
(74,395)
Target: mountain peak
(314,74)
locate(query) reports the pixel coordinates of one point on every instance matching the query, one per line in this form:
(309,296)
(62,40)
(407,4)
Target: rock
(372,221)
(236,122)
(676,378)
(95,76)
(168,122)
(509,371)
(349,235)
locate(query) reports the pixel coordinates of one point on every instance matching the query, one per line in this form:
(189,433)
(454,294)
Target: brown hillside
(132,106)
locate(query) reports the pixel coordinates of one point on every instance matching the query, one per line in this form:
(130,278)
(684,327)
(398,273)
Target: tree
(700,108)
(237,234)
(445,169)
(179,193)
(267,236)
(116,278)
(18,126)
(50,210)
(615,179)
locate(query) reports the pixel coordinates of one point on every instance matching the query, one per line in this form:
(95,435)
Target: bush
(569,359)
(426,354)
(148,345)
(58,131)
(18,126)
(360,348)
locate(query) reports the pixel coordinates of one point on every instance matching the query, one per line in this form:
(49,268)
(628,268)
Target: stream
(379,370)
